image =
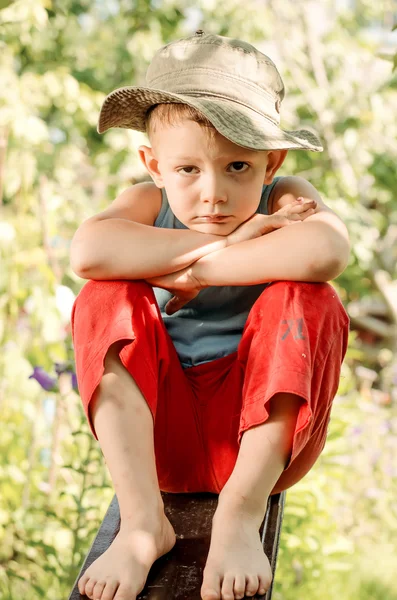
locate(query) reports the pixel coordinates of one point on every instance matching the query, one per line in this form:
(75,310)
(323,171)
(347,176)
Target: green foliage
(58,59)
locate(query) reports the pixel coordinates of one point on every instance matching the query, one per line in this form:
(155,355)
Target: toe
(89,588)
(124,593)
(227,587)
(239,586)
(98,589)
(110,590)
(252,585)
(81,584)
(211,588)
(264,585)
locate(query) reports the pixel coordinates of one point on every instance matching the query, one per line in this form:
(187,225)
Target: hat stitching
(141,90)
(246,82)
(144,91)
(277,125)
(242,104)
(296,139)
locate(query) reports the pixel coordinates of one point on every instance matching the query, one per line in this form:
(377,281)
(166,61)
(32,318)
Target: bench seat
(178,574)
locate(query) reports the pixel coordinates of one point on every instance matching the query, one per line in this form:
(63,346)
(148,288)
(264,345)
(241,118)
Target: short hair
(169,113)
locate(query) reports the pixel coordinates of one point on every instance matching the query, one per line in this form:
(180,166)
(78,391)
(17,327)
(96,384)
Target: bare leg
(236,564)
(124,426)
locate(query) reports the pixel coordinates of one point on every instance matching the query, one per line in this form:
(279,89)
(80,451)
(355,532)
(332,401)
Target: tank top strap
(263,208)
(163,210)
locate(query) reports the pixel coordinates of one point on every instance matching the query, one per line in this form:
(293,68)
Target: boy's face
(212,184)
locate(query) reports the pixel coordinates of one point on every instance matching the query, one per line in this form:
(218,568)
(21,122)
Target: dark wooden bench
(178,574)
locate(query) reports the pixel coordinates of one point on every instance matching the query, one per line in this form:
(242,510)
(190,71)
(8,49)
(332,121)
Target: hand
(259,225)
(183,285)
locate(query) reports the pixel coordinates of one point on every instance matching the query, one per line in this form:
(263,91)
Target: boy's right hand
(259,225)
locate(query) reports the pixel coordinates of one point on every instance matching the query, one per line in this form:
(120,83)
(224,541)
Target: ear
(275,159)
(149,160)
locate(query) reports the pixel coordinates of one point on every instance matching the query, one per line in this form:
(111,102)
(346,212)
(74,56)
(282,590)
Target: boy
(221,376)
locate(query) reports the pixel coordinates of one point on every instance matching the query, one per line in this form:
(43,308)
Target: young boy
(208,343)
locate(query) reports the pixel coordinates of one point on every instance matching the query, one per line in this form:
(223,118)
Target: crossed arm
(121,243)
(317,250)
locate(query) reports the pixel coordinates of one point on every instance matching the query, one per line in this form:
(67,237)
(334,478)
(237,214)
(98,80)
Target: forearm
(122,249)
(310,251)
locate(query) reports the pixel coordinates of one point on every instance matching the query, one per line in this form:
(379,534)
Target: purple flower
(385,427)
(74,381)
(374,457)
(47,382)
(67,367)
(61,368)
(356,431)
(390,470)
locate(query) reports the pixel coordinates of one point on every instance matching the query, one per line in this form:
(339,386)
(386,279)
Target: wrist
(198,271)
(224,242)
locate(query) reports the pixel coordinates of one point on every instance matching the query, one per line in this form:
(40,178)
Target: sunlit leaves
(58,59)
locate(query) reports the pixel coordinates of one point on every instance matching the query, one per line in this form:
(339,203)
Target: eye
(239,167)
(189,170)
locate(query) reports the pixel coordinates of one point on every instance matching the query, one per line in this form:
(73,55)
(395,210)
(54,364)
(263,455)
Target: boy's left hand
(183,285)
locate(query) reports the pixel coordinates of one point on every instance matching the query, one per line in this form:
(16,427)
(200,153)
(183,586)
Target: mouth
(212,218)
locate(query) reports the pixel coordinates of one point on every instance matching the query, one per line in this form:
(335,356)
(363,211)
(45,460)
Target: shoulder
(140,202)
(146,191)
(287,189)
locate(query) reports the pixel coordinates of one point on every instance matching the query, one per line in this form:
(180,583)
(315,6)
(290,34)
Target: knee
(297,289)
(301,295)
(298,309)
(101,293)
(108,288)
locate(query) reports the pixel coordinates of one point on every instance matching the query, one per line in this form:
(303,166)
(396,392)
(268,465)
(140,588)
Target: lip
(213,218)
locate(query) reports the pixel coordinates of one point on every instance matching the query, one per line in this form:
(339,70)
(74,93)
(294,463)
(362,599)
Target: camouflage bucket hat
(235,86)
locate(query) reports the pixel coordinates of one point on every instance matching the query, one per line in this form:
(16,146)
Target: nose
(213,191)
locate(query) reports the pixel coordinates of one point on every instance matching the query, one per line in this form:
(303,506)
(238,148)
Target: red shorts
(294,340)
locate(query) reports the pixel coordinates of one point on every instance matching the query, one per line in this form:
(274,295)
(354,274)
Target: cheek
(247,204)
(183,209)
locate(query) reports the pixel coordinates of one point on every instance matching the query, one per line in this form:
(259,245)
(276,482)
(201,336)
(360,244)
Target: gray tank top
(209,326)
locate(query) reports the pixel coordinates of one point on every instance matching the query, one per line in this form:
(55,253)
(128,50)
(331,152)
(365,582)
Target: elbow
(78,261)
(80,272)
(334,262)
(330,271)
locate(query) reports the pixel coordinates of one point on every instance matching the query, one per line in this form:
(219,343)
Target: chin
(214,228)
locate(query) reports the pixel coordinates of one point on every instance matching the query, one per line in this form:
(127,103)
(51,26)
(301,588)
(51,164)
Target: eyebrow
(184,158)
(242,154)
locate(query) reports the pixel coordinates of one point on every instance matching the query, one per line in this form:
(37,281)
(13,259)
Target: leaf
(39,590)
(5,3)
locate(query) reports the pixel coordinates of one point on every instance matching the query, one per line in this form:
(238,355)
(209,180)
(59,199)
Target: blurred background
(58,60)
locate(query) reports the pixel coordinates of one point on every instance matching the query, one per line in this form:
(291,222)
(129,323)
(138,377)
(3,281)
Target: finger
(301,215)
(281,221)
(175,304)
(307,213)
(172,306)
(296,208)
(302,199)
(299,206)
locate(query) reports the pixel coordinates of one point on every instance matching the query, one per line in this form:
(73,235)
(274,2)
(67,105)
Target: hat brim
(127,107)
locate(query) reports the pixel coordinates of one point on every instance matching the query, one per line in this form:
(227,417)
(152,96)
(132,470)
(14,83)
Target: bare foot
(236,565)
(121,572)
